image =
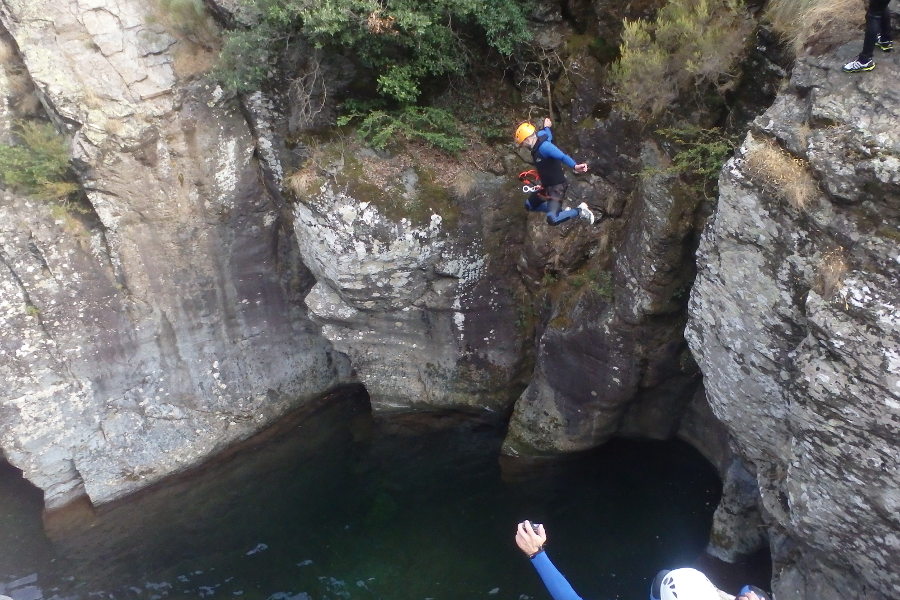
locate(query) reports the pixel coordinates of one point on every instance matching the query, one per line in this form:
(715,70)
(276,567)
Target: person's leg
(557,194)
(555,216)
(885,41)
(876,21)
(537,203)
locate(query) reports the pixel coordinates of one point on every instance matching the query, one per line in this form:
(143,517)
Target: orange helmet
(523,132)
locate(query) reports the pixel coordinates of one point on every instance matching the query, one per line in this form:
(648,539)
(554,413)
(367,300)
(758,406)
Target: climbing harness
(531,181)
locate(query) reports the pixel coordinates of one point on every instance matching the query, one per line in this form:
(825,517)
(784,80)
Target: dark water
(342,507)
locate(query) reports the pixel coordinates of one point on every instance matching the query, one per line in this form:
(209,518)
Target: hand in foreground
(528,540)
(748,596)
(580,168)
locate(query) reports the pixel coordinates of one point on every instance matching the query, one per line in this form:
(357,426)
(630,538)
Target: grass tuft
(781,174)
(816,26)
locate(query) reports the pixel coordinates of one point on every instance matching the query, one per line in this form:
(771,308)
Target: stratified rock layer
(426,311)
(149,334)
(795,322)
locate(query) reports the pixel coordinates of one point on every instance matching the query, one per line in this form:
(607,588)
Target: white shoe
(855,66)
(585,213)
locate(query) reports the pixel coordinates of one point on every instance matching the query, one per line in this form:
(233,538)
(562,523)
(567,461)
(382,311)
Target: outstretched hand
(528,540)
(580,168)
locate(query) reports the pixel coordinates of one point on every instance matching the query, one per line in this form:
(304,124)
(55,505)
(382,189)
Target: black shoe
(885,45)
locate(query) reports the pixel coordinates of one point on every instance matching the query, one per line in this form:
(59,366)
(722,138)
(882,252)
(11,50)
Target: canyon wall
(159,322)
(795,322)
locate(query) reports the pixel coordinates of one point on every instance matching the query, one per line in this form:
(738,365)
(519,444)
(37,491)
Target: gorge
(231,263)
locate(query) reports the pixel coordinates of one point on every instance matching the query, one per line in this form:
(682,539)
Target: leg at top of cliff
(878,35)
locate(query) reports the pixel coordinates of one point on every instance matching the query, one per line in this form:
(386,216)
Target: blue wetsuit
(549,150)
(552,178)
(556,584)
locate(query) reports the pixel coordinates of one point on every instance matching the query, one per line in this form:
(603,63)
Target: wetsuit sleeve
(556,584)
(549,150)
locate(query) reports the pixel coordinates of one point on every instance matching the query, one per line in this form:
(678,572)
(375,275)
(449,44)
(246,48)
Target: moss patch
(400,186)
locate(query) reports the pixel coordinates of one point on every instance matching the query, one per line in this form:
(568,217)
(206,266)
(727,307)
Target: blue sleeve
(556,584)
(549,150)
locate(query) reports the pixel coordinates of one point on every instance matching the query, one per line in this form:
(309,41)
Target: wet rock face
(166,323)
(612,358)
(795,322)
(427,312)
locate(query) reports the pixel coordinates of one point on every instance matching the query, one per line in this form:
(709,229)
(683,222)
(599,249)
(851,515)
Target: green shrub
(699,154)
(189,19)
(404,42)
(692,44)
(244,59)
(428,124)
(39,164)
(186,12)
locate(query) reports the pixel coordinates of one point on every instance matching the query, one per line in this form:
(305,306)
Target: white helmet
(687,584)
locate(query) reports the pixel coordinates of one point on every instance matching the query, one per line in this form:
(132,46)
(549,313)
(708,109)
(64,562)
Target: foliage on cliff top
(38,165)
(404,42)
(692,45)
(410,185)
(434,126)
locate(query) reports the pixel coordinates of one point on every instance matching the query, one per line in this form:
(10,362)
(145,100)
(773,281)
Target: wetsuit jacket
(556,584)
(549,159)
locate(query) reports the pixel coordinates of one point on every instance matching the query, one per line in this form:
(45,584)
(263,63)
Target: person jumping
(549,161)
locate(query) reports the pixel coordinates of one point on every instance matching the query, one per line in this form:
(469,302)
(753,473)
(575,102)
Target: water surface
(343,507)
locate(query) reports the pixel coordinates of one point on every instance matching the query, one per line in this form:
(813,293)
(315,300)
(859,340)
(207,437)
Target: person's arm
(554,581)
(549,150)
(532,542)
(555,152)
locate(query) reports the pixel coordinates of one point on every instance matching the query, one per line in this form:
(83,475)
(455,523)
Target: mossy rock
(399,187)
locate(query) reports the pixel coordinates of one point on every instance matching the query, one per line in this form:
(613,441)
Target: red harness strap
(531,182)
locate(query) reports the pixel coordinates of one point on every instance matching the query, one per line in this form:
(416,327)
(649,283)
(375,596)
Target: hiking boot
(884,45)
(855,66)
(585,213)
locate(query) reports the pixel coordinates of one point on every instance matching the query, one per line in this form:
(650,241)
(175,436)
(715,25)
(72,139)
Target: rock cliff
(159,328)
(795,323)
(424,301)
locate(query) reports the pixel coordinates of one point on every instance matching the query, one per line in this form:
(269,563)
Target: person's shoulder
(546,142)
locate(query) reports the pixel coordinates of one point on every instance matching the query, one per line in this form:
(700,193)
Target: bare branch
(310,94)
